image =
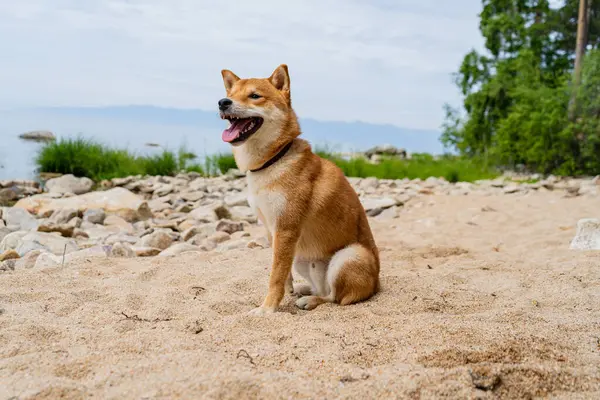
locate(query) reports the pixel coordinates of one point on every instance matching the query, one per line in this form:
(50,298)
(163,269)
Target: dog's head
(258,110)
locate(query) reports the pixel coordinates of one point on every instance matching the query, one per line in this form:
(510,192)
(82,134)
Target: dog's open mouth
(241,128)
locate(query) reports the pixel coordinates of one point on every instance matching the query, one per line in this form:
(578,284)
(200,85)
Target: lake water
(199,131)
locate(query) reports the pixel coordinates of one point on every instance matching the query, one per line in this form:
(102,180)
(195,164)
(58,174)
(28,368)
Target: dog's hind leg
(352,276)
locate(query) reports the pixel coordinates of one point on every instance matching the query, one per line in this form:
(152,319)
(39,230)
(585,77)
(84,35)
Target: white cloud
(379,61)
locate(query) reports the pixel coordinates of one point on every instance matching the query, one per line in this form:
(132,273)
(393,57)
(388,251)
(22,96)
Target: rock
(40,240)
(121,238)
(587,236)
(75,222)
(47,260)
(9,255)
(12,240)
(573,189)
(123,250)
(8,265)
(389,213)
(192,196)
(158,205)
(179,248)
(228,226)
(210,213)
(375,205)
(386,150)
(69,184)
(241,213)
(511,188)
(28,260)
(259,243)
(239,235)
(119,223)
(159,240)
(8,195)
(21,218)
(368,183)
(94,215)
(113,200)
(163,190)
(233,174)
(232,245)
(146,251)
(4,232)
(236,200)
(65,230)
(219,237)
(38,136)
(63,216)
(202,230)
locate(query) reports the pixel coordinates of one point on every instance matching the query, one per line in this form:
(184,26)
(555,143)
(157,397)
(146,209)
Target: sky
(377,61)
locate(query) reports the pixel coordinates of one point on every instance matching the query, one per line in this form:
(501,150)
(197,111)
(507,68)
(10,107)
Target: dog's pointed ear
(229,78)
(280,78)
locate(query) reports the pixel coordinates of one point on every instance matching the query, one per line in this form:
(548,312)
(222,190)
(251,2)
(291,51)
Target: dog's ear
(229,78)
(280,78)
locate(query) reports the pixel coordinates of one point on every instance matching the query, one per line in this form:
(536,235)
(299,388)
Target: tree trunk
(582,28)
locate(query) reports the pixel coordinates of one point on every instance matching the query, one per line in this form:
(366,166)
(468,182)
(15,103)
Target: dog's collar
(275,158)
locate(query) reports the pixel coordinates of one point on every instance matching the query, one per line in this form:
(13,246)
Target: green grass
(422,166)
(84,157)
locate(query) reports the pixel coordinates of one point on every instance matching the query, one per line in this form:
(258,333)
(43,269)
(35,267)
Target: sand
(481,298)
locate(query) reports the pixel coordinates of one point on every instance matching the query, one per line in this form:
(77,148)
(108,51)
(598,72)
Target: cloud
(380,61)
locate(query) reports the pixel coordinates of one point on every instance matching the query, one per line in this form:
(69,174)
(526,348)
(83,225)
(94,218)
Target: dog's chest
(267,204)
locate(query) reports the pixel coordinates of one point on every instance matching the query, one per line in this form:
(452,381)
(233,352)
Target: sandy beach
(481,298)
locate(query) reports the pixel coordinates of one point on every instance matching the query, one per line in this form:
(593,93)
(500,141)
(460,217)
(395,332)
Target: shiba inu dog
(313,217)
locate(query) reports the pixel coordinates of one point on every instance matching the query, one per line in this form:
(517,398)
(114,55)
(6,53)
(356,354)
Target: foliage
(517,94)
(85,157)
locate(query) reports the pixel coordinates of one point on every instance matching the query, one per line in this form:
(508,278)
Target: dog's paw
(261,311)
(307,302)
(301,290)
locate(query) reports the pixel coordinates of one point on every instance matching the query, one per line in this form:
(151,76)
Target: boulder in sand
(587,236)
(69,184)
(116,200)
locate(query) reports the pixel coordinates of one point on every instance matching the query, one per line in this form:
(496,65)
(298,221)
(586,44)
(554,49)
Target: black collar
(276,158)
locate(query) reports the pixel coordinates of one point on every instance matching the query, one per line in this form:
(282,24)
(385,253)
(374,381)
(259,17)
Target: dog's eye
(254,96)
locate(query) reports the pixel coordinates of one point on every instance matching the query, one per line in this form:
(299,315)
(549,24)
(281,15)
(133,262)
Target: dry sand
(481,298)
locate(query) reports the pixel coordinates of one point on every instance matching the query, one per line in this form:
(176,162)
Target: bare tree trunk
(582,28)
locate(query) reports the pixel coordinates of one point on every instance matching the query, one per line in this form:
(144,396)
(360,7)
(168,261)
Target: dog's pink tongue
(235,130)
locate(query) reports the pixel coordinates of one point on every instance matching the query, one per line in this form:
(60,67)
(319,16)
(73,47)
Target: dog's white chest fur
(265,202)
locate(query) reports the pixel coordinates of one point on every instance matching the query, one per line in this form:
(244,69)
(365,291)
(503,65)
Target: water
(200,131)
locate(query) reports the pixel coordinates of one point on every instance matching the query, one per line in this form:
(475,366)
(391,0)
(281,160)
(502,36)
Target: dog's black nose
(224,104)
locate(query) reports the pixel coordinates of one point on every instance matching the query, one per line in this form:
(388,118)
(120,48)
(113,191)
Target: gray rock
(159,240)
(375,205)
(258,243)
(228,226)
(179,248)
(69,184)
(219,237)
(94,215)
(119,223)
(123,250)
(238,199)
(8,196)
(63,216)
(587,236)
(121,238)
(7,266)
(21,218)
(163,190)
(12,240)
(241,213)
(28,260)
(232,245)
(39,240)
(192,196)
(38,136)
(511,188)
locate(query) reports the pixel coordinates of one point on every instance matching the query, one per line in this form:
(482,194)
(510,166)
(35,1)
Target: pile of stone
(164,216)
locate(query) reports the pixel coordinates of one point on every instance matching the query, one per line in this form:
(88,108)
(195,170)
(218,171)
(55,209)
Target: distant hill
(335,134)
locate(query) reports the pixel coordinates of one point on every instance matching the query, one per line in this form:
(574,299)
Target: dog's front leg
(284,245)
